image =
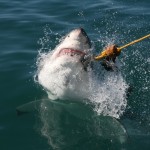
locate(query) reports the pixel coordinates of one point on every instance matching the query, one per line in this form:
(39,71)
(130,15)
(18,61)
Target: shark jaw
(62,74)
(75,42)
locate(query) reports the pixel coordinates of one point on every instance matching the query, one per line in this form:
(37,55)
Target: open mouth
(70,52)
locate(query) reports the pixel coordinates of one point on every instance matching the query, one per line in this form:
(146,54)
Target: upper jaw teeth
(71,52)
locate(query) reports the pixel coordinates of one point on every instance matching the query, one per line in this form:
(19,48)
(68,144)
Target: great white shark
(64,74)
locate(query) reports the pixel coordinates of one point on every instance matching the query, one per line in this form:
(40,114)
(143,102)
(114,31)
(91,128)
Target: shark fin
(28,107)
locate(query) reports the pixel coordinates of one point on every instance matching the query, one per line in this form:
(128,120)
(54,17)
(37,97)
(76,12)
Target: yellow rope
(104,54)
(133,42)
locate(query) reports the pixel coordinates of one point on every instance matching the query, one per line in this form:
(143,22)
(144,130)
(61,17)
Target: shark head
(75,42)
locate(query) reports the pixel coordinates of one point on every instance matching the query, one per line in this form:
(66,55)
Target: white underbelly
(64,78)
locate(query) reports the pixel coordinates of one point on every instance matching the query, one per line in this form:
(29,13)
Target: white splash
(107,90)
(109,93)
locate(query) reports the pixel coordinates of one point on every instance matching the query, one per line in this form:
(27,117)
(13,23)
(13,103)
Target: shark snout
(80,31)
(82,35)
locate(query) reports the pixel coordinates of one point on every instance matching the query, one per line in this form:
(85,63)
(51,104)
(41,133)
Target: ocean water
(28,27)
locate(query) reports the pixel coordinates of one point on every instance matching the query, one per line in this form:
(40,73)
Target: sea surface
(33,26)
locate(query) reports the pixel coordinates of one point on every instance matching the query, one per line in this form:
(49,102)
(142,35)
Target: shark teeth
(70,52)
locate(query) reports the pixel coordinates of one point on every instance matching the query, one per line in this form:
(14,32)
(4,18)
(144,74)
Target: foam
(109,94)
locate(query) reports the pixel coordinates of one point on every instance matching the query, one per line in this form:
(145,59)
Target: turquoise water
(24,23)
